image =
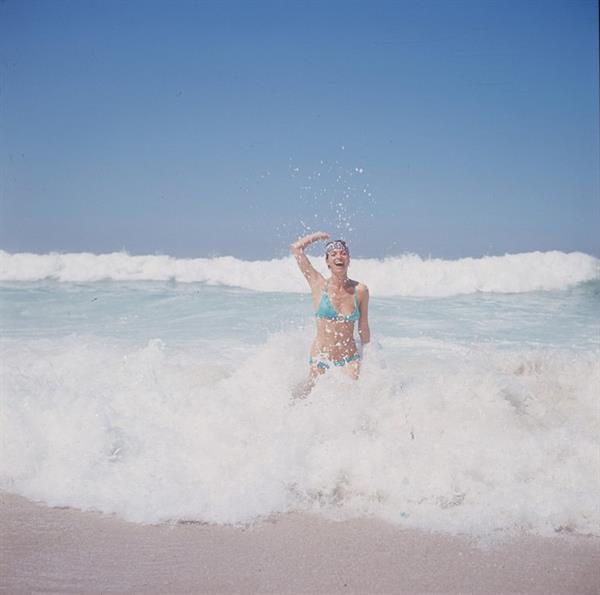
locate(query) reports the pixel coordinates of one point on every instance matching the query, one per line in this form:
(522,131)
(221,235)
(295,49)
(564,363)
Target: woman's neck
(338,281)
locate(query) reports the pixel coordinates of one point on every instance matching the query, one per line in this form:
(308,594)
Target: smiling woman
(339,302)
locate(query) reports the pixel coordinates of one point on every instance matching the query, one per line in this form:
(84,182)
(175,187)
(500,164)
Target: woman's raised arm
(297,248)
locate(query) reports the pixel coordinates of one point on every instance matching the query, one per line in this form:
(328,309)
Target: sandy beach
(54,550)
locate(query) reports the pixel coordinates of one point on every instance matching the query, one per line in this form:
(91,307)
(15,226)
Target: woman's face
(338,260)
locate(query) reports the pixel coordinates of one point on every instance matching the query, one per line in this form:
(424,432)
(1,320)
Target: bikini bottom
(323,362)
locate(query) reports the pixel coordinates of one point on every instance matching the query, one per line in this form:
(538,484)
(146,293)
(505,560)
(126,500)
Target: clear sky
(445,128)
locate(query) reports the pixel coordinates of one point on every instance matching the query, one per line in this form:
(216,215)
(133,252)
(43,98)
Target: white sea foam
(469,439)
(406,275)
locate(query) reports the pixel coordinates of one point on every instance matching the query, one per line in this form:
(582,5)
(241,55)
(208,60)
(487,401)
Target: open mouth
(338,263)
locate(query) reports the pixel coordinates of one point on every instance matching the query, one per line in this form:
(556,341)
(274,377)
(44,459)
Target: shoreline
(63,550)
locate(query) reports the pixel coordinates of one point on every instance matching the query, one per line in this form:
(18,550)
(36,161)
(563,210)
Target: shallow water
(161,399)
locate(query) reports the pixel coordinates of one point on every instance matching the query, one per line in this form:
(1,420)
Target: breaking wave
(405,275)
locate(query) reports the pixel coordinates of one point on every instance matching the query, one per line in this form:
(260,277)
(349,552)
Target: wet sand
(53,550)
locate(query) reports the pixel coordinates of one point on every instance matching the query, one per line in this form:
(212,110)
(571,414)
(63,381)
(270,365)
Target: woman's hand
(302,242)
(320,235)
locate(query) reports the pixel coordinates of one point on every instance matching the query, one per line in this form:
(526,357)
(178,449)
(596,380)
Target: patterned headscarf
(336,245)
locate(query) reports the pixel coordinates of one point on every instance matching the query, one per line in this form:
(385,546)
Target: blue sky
(445,128)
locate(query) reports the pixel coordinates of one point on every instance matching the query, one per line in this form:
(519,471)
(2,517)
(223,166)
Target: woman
(339,302)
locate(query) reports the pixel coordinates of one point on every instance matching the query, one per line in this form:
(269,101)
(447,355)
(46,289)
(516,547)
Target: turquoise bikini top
(326,309)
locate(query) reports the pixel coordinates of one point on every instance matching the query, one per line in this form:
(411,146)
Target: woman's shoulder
(360,288)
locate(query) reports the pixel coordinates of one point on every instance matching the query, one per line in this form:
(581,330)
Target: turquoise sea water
(196,312)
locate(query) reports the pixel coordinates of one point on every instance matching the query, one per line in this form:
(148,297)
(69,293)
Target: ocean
(161,389)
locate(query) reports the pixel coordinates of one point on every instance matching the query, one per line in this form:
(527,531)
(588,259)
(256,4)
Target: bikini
(328,312)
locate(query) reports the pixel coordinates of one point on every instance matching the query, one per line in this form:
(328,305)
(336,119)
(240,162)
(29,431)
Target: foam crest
(472,440)
(406,275)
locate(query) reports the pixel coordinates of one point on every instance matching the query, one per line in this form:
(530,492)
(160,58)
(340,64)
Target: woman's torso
(336,312)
